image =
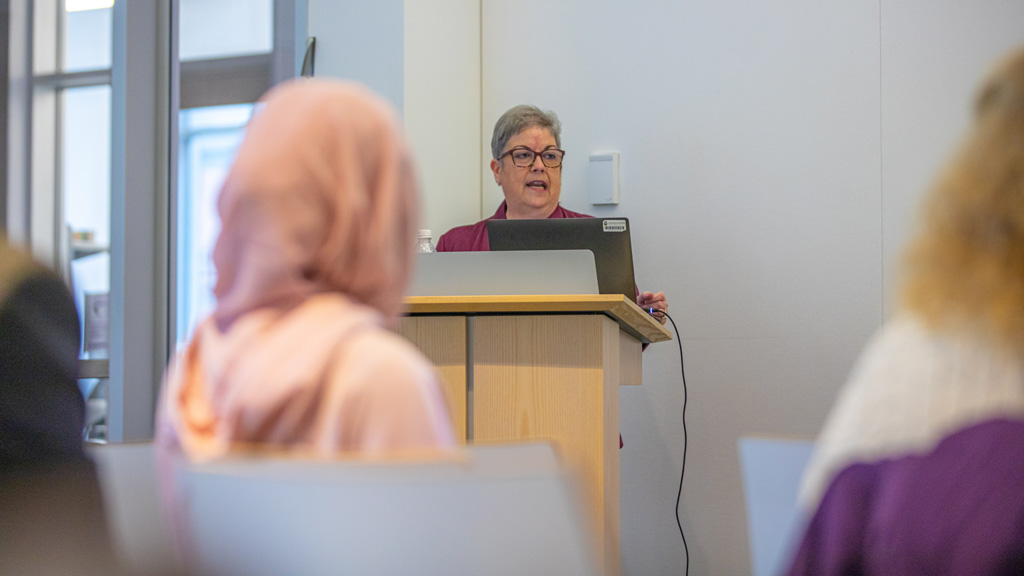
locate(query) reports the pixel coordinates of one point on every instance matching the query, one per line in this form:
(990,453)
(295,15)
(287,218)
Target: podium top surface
(630,317)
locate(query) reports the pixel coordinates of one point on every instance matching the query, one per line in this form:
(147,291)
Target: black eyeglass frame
(534,157)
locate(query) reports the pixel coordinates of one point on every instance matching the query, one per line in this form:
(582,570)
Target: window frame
(145,79)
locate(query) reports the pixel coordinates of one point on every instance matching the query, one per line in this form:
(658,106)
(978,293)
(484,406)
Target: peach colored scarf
(318,216)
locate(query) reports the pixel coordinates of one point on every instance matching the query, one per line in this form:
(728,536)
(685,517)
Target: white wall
(755,207)
(772,157)
(934,56)
(359,40)
(423,56)
(442,107)
(771,154)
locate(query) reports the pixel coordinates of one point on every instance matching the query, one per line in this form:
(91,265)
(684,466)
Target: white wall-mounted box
(603,178)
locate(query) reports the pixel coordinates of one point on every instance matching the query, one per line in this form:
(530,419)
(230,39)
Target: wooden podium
(519,368)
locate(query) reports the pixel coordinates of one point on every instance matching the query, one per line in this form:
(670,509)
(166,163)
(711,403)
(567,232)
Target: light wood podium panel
(526,368)
(442,339)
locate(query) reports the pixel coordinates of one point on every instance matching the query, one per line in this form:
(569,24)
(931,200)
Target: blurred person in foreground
(318,220)
(52,519)
(921,461)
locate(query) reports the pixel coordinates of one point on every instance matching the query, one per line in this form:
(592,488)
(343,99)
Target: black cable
(682,470)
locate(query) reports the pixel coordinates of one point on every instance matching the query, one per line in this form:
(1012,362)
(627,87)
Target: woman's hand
(656,300)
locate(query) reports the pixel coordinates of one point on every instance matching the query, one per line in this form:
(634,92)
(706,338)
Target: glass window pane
(85,177)
(209,141)
(95,391)
(86,162)
(87,37)
(220,28)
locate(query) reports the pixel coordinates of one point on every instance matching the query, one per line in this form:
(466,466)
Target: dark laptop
(607,238)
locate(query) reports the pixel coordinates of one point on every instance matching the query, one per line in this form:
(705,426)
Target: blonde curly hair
(965,268)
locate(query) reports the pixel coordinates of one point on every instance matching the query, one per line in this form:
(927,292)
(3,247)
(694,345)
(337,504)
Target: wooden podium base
(528,368)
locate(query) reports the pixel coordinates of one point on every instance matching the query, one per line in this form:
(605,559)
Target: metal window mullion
(222,81)
(18,221)
(5,47)
(62,240)
(45,43)
(81,79)
(141,86)
(285,32)
(174,93)
(60,26)
(44,173)
(44,140)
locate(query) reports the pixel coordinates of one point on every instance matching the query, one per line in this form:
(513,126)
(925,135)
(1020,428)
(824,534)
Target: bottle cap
(424,233)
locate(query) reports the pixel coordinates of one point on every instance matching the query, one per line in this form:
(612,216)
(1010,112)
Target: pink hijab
(322,197)
(314,254)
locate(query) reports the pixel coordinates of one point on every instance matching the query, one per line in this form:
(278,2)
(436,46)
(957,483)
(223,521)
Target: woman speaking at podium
(527,164)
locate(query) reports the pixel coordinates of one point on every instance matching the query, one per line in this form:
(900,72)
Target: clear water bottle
(424,245)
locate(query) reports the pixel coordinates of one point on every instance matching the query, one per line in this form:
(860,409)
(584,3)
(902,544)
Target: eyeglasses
(524,157)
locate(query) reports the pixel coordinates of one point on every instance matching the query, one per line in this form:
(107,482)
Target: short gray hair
(519,118)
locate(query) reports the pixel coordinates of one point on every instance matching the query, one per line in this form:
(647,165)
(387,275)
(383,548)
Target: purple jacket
(956,510)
